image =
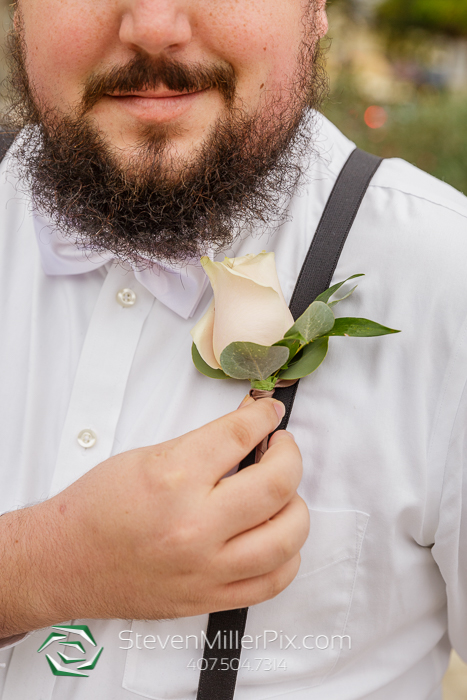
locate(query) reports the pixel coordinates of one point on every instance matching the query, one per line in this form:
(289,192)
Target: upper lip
(153,93)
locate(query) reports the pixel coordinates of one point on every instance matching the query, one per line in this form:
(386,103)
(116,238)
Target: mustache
(144,73)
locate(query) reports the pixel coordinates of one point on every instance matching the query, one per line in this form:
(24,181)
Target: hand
(157,533)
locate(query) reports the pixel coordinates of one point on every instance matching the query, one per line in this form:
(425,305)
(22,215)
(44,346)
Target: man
(153,131)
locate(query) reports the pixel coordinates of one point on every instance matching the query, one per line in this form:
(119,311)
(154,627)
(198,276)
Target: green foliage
(266,385)
(317,320)
(438,16)
(251,361)
(299,353)
(359,328)
(293,344)
(328,293)
(203,367)
(349,294)
(308,360)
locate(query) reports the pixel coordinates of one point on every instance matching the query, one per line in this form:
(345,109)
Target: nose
(154,26)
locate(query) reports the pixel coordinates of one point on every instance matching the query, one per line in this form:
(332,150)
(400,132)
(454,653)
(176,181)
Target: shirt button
(87,438)
(126,297)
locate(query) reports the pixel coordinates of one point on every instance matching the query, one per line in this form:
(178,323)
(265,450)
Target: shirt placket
(88,435)
(99,388)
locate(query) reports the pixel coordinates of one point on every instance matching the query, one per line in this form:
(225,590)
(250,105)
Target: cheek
(260,38)
(65,42)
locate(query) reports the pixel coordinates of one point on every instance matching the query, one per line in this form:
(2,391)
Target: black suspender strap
(327,244)
(226,629)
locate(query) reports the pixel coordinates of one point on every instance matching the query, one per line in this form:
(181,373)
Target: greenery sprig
(299,353)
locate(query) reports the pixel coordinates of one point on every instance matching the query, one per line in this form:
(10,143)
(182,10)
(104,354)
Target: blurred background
(398,73)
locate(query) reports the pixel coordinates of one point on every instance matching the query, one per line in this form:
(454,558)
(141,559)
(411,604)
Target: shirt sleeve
(13,641)
(450,538)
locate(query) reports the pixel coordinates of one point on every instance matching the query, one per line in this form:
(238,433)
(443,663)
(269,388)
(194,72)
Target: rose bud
(248,305)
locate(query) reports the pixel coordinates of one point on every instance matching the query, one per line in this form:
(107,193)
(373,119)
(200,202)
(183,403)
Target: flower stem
(258,394)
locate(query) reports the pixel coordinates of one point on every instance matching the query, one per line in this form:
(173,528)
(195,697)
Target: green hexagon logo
(70,645)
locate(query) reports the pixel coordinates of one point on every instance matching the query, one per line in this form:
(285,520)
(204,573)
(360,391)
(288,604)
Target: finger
(268,546)
(256,590)
(211,451)
(279,435)
(248,498)
(247,401)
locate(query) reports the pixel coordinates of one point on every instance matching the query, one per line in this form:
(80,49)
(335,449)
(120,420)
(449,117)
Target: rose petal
(260,268)
(202,335)
(245,310)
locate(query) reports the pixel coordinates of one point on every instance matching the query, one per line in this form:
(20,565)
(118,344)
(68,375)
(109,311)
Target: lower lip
(157,109)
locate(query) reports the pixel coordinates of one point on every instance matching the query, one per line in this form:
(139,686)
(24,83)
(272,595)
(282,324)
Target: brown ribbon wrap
(258,394)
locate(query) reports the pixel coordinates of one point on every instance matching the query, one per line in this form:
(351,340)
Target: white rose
(248,305)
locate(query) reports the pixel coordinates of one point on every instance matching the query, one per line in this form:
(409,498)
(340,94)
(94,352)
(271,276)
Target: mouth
(156,105)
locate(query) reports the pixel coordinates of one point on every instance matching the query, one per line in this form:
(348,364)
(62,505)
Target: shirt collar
(180,289)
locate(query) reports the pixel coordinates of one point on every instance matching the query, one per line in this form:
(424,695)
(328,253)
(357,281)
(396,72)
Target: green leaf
(359,328)
(203,367)
(293,344)
(317,320)
(266,385)
(310,359)
(251,361)
(327,294)
(333,303)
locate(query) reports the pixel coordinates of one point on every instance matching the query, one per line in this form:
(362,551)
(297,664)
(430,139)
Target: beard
(155,207)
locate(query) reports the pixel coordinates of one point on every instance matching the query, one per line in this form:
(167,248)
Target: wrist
(32,588)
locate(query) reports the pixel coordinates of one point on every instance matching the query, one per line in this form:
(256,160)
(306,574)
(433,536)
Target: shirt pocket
(295,639)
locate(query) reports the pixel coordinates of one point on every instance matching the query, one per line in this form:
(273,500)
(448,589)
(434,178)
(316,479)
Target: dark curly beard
(151,207)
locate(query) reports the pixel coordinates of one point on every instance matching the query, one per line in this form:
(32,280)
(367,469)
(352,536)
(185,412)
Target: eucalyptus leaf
(333,303)
(203,367)
(317,320)
(359,328)
(293,344)
(243,360)
(310,359)
(327,294)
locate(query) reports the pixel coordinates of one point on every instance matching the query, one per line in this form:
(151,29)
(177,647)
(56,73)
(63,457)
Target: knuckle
(297,461)
(292,457)
(188,558)
(280,488)
(295,566)
(254,597)
(269,585)
(302,521)
(187,545)
(245,561)
(305,513)
(275,584)
(162,474)
(283,576)
(270,412)
(240,432)
(173,480)
(285,548)
(191,540)
(253,593)
(151,478)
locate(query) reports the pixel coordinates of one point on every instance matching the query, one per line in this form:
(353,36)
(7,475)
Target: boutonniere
(249,333)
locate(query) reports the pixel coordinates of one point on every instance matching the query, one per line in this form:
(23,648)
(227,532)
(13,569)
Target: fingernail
(280,409)
(280,433)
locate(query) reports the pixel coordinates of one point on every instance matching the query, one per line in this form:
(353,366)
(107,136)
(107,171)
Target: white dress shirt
(381,426)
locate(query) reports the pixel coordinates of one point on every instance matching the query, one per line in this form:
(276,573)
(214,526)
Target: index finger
(215,448)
